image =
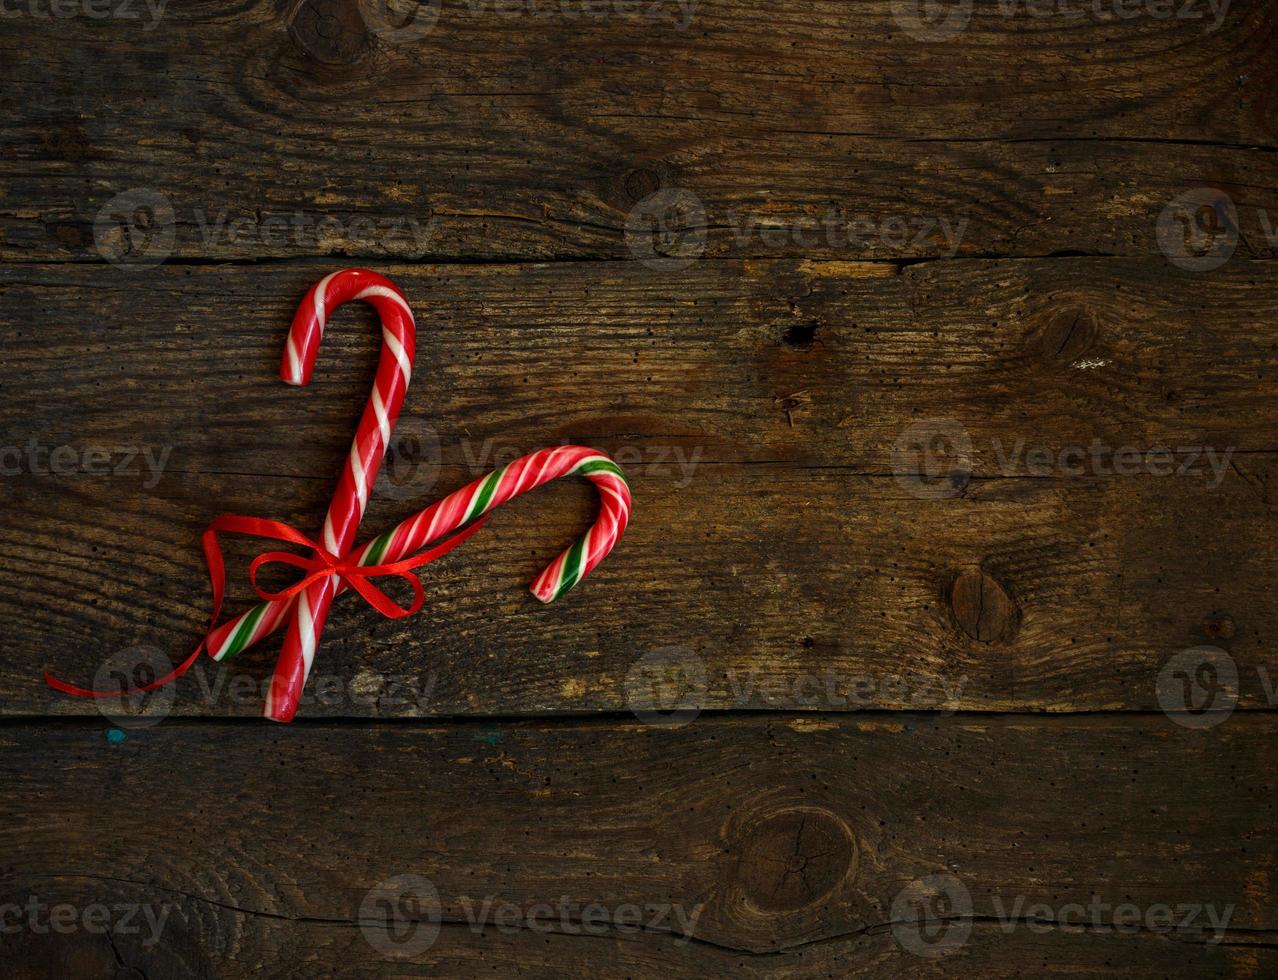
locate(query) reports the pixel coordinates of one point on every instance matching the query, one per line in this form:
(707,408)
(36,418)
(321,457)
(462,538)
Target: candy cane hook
(394,370)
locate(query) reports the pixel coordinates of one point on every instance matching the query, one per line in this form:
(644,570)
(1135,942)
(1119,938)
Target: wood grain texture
(815,363)
(777,541)
(998,466)
(301,948)
(792,836)
(796,607)
(513,136)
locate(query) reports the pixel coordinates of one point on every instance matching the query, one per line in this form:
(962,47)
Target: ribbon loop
(315,569)
(380,601)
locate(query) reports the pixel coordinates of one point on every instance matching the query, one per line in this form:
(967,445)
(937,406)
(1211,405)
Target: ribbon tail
(217,579)
(86,692)
(355,576)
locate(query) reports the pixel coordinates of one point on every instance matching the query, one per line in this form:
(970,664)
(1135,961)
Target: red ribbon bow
(320,565)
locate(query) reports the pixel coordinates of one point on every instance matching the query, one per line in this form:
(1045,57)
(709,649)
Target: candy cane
(333,565)
(461,507)
(310,609)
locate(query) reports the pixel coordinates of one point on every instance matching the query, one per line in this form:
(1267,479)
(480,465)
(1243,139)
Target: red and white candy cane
(459,508)
(394,371)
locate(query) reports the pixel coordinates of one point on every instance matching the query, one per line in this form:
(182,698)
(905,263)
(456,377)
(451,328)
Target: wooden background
(893,676)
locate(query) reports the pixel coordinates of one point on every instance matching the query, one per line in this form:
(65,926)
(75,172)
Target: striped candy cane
(394,370)
(460,508)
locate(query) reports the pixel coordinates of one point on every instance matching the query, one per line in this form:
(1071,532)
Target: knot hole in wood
(982,608)
(793,858)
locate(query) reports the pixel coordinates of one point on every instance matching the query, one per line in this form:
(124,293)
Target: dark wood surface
(294,826)
(899,653)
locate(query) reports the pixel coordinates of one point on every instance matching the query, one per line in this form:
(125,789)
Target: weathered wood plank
(790,838)
(227,944)
(776,554)
(499,136)
(778,588)
(799,362)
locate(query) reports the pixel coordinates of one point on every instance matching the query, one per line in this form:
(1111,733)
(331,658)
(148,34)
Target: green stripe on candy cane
(484,493)
(245,631)
(601,464)
(377,550)
(572,567)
